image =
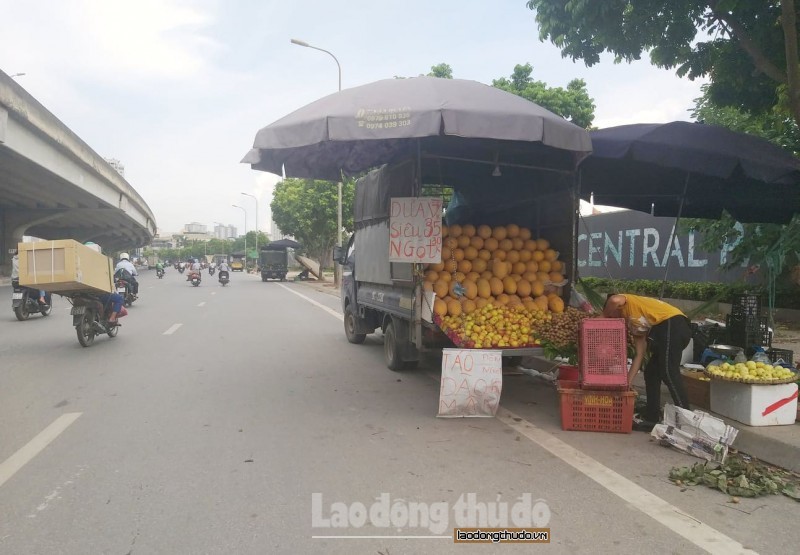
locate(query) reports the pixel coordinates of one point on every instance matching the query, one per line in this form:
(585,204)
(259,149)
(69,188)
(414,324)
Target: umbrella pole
(672,235)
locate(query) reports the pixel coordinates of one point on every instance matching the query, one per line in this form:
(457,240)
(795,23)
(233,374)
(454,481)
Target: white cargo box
(755,405)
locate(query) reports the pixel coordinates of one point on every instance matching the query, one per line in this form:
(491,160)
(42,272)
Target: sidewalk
(778,445)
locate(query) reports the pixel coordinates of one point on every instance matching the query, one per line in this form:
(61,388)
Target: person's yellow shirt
(642,313)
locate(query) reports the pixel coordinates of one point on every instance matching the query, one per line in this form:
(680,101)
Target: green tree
(748,49)
(306,210)
(443,71)
(572,103)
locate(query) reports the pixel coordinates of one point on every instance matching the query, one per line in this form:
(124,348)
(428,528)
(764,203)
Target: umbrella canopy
(281,244)
(710,168)
(357,129)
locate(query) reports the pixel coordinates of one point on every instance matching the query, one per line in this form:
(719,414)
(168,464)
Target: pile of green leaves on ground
(739,476)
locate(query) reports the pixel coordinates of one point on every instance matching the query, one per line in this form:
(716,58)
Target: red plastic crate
(595,410)
(603,353)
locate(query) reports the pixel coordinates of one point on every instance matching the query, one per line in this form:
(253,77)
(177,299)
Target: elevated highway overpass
(54,186)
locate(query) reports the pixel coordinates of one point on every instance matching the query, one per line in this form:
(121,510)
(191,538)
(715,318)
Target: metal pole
(672,236)
(245,235)
(255,199)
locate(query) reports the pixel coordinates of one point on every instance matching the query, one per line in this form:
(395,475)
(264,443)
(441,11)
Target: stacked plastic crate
(747,327)
(602,401)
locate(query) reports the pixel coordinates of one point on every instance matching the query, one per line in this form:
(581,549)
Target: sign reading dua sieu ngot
(415,230)
(634,245)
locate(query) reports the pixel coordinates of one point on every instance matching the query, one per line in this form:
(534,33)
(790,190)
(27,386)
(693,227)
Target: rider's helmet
(124,256)
(93,246)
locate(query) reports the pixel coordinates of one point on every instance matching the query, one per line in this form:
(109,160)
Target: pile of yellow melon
(499,266)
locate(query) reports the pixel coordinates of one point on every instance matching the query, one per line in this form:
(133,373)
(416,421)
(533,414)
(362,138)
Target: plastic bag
(577,300)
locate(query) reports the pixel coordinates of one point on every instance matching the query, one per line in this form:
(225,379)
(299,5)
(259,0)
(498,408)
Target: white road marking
(315,303)
(213,292)
(172,329)
(202,303)
(12,464)
(703,536)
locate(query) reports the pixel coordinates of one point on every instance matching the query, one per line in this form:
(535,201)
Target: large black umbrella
(281,244)
(452,120)
(691,170)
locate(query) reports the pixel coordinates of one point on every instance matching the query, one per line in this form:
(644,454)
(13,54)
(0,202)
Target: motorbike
(90,318)
(160,272)
(181,269)
(25,301)
(211,270)
(124,289)
(194,277)
(223,278)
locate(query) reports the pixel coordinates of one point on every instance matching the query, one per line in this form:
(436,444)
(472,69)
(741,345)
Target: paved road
(233,420)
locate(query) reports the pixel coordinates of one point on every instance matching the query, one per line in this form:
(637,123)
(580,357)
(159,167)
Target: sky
(177,89)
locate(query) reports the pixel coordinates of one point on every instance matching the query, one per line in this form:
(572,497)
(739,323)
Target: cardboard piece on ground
(309,265)
(64,266)
(472,380)
(696,433)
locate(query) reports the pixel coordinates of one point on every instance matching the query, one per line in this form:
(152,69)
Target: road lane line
(172,329)
(703,536)
(202,303)
(213,292)
(315,303)
(12,464)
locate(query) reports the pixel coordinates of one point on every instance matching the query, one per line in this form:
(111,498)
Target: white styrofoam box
(748,403)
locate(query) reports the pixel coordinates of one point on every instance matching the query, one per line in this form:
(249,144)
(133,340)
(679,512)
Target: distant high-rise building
(225,232)
(195,227)
(117,165)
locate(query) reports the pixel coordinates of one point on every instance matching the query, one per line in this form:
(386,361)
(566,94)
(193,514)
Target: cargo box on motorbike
(64,266)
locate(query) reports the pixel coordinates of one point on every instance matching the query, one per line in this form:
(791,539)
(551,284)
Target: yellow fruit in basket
(523,288)
(454,307)
(445,230)
(556,266)
(445,277)
(463,241)
(537,289)
(479,265)
(496,285)
(451,243)
(484,254)
(499,232)
(484,289)
(518,268)
(532,266)
(491,244)
(438,267)
(502,299)
(476,242)
(525,256)
(487,274)
(440,307)
(509,285)
(458,254)
(468,230)
(542,302)
(512,256)
(447,254)
(464,266)
(431,275)
(450,266)
(459,276)
(550,255)
(427,286)
(480,302)
(556,277)
(473,276)
(468,306)
(524,233)
(470,289)
(529,276)
(499,268)
(470,252)
(484,231)
(529,245)
(537,256)
(541,244)
(454,230)
(499,255)
(441,288)
(451,288)
(544,277)
(544,266)
(515,277)
(512,230)
(517,243)
(506,244)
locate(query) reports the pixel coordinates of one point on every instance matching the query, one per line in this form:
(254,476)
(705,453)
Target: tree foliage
(748,49)
(572,103)
(444,71)
(306,210)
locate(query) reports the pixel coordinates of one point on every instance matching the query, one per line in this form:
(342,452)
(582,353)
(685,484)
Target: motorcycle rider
(15,277)
(223,269)
(114,298)
(196,267)
(130,273)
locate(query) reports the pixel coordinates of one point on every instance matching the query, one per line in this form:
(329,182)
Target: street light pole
(255,199)
(245,234)
(339,184)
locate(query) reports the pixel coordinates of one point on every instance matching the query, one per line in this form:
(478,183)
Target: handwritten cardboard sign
(472,380)
(415,230)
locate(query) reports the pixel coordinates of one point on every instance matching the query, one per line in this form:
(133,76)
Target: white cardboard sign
(415,230)
(472,380)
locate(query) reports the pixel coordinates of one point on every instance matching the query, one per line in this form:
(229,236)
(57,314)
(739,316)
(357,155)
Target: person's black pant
(134,285)
(666,342)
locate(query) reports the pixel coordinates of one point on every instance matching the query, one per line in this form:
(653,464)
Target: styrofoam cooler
(755,404)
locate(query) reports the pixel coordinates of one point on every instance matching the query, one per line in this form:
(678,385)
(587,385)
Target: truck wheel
(350,326)
(391,349)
